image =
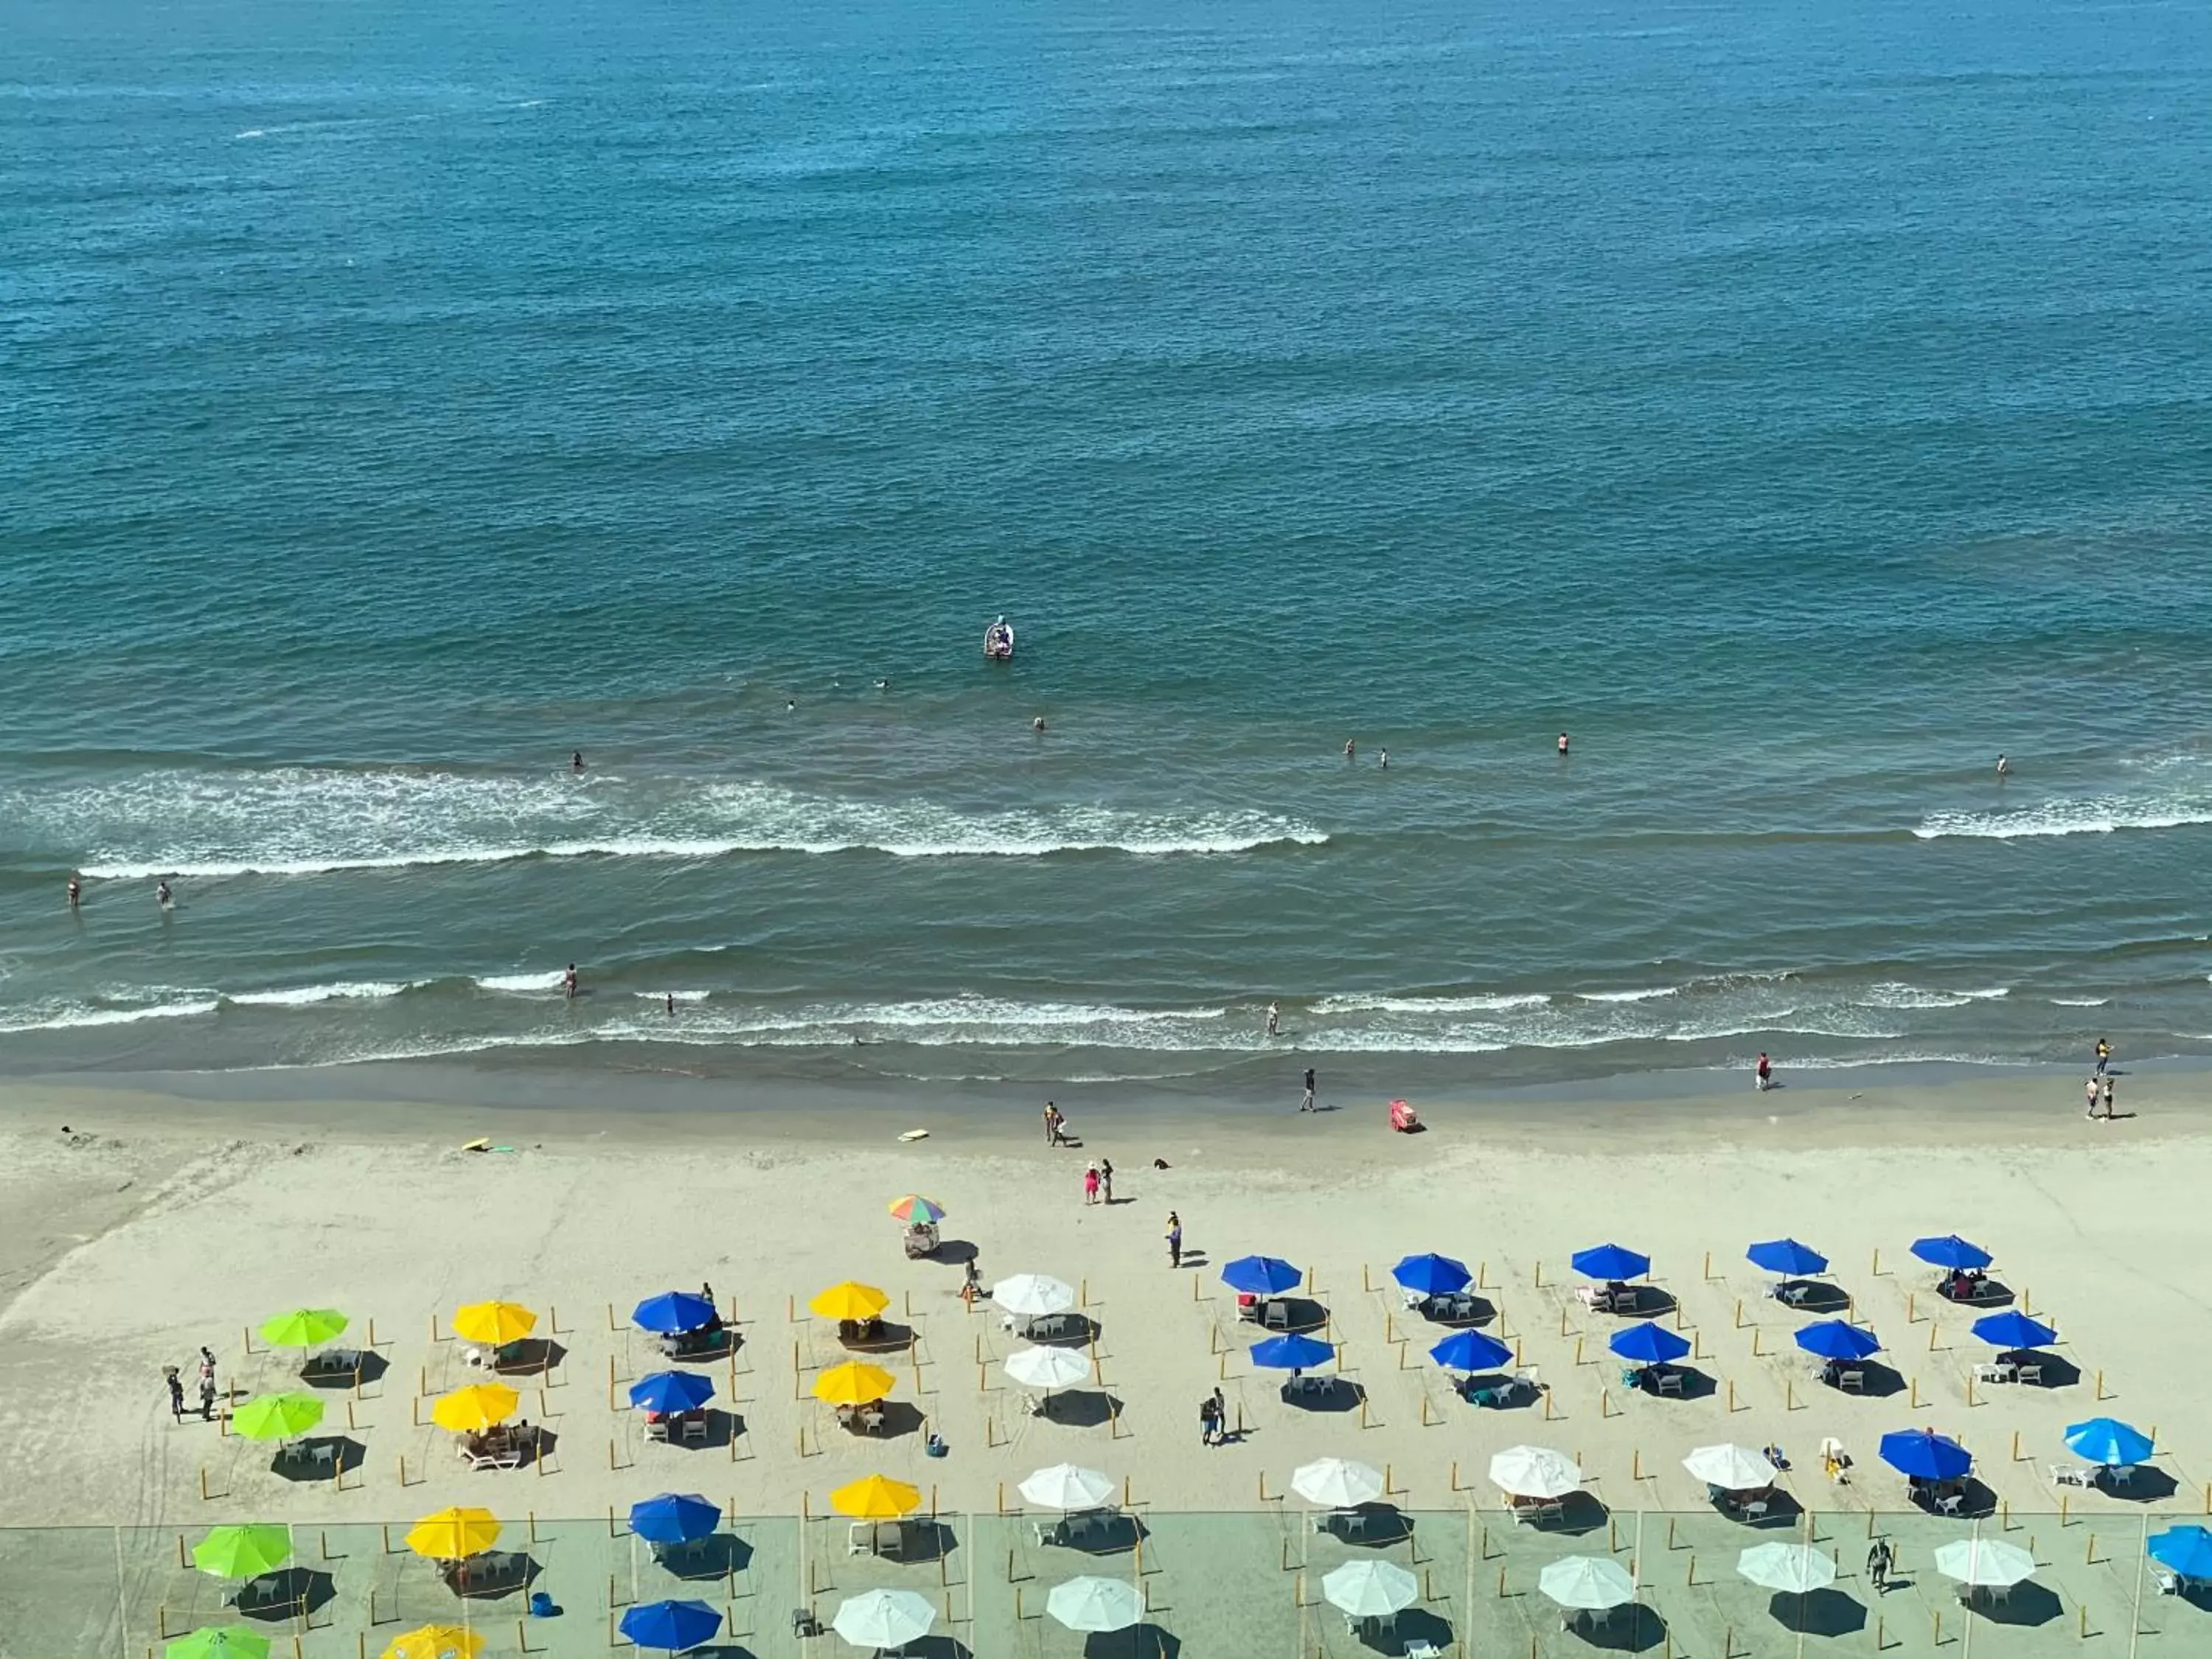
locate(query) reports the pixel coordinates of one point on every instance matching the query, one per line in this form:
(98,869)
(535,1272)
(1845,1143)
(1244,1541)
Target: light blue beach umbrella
(673,1312)
(1611,1262)
(2013,1329)
(1291,1353)
(1788,1257)
(672,1626)
(1471,1350)
(2184,1550)
(673,1518)
(666,1392)
(1835,1338)
(1433,1276)
(1260,1275)
(1648,1344)
(2108,1441)
(1953,1252)
(1924,1454)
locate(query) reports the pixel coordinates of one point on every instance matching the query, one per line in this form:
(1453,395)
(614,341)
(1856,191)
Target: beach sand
(180,1214)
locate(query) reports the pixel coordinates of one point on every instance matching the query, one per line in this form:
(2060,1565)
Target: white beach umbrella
(1337,1483)
(1798,1568)
(1033,1294)
(1046,1368)
(1370,1590)
(1092,1603)
(884,1619)
(1985,1561)
(1535,1472)
(1732,1468)
(1587,1581)
(1067,1486)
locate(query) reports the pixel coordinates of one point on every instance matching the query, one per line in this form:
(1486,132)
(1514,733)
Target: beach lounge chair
(1666,1380)
(2024,1374)
(1852,1381)
(2167,1580)
(656,1427)
(871,1419)
(1950,1503)
(1050,1532)
(1793,1292)
(695,1427)
(1420,1647)
(2072,1474)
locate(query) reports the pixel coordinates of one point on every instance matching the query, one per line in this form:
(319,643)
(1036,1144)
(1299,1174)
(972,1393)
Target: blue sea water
(1800,404)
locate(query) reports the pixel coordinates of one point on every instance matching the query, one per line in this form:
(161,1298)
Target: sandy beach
(159,1223)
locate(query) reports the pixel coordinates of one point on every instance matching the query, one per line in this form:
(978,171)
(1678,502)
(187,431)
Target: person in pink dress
(1090,1185)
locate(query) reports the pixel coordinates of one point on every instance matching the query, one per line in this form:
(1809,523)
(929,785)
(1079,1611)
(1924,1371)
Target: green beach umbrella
(243,1552)
(223,1642)
(304,1328)
(276,1416)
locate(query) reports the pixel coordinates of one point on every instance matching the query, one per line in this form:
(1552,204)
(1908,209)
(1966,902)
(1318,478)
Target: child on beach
(1174,1239)
(2092,1087)
(1090,1185)
(176,1392)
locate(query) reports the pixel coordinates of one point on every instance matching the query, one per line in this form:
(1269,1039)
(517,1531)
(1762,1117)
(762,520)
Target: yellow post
(2016,1445)
(1605,1403)
(1731,1389)
(1708,1271)
(1578,1350)
(1540,1275)
(1877,1264)
(1739,1313)
(1755,1352)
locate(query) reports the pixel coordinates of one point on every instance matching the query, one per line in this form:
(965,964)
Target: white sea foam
(302,822)
(71,1018)
(1650,995)
(2097,816)
(1471,1004)
(300,996)
(550,981)
(1896,995)
(2080,1002)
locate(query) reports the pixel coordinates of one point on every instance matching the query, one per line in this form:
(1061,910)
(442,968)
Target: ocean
(1800,404)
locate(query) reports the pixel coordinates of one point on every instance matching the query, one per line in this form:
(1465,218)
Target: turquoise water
(1799,403)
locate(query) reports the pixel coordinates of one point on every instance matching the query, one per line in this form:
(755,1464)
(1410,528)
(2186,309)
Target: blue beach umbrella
(673,1518)
(1291,1354)
(1951,1251)
(2013,1329)
(1471,1350)
(2185,1550)
(1260,1275)
(2106,1440)
(672,1627)
(1834,1339)
(673,1312)
(1924,1454)
(671,1391)
(1433,1276)
(1648,1344)
(1788,1257)
(1611,1262)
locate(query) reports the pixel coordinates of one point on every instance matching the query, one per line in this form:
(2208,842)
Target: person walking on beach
(1174,1239)
(1274,1017)
(1090,1185)
(1306,1100)
(1206,1426)
(176,1392)
(2108,1097)
(2104,1055)
(207,1391)
(1055,1126)
(2092,1087)
(1765,1073)
(1106,1178)
(1880,1559)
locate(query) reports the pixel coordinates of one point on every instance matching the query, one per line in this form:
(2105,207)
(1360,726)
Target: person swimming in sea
(576,760)
(2004,767)
(1351,750)
(162,895)
(76,891)
(1563,745)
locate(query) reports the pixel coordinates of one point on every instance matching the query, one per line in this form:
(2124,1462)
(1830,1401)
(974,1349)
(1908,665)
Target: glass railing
(1472,1581)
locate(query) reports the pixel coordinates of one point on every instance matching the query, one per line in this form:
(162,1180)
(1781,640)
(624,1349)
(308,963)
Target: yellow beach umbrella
(876,1498)
(453,1535)
(494,1322)
(475,1408)
(853,1384)
(437,1642)
(850,1300)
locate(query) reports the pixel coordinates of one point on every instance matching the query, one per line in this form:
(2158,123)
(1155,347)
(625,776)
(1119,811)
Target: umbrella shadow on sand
(1078,1408)
(323,1458)
(1414,1625)
(1634,1629)
(534,1356)
(1137,1642)
(2029,1603)
(936,1647)
(492,1575)
(288,1593)
(716,1556)
(372,1366)
(1817,1612)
